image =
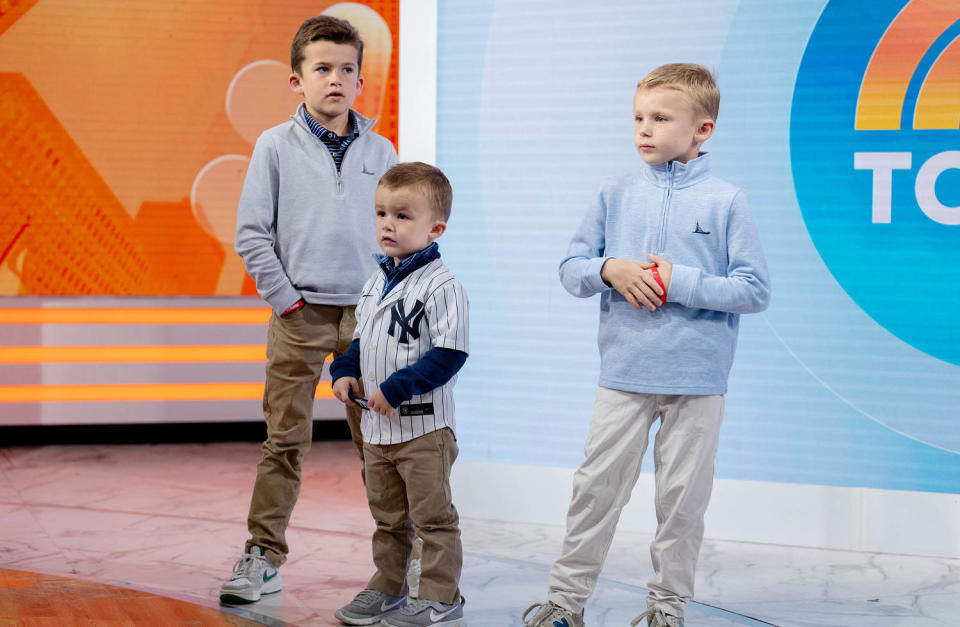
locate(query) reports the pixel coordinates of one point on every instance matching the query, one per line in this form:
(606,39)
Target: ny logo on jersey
(409,324)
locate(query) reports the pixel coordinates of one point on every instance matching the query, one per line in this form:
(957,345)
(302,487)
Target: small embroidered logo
(699,230)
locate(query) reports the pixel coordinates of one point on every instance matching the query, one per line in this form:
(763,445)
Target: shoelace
(246,565)
(367,597)
(528,610)
(657,618)
(555,612)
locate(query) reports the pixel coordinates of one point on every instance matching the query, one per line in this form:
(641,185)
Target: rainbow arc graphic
(916,60)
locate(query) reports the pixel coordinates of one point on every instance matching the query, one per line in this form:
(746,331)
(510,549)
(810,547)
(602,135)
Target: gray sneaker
(369,607)
(424,612)
(657,618)
(551,615)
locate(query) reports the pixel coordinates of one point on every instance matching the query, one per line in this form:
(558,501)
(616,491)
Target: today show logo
(875,152)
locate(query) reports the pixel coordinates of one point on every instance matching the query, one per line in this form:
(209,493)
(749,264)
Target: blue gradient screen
(838,121)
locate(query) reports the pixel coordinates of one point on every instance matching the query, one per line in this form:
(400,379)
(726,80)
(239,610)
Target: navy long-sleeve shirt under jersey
(436,367)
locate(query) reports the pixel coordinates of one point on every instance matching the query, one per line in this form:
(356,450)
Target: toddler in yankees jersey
(410,342)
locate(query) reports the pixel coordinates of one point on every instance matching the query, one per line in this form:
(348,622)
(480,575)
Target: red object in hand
(656,275)
(297,305)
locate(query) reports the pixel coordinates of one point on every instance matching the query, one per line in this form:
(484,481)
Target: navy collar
(681,174)
(326,135)
(394,273)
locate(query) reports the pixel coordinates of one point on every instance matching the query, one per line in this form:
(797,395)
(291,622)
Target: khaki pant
(408,488)
(683,454)
(297,346)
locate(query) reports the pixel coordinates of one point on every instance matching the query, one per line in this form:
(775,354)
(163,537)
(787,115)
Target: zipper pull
(339,184)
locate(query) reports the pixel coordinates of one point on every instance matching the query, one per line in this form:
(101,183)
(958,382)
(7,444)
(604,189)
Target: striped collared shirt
(336,144)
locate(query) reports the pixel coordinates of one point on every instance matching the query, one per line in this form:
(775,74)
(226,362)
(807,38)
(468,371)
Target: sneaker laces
(367,597)
(523,617)
(247,565)
(654,616)
(555,611)
(417,606)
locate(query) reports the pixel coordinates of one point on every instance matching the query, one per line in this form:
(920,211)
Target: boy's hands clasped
(634,280)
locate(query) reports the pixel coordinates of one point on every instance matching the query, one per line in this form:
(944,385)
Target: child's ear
(437,229)
(295,85)
(705,130)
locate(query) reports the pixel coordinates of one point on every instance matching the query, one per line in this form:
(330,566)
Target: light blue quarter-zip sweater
(305,230)
(703,227)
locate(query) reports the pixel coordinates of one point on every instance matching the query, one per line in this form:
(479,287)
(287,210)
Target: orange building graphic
(121,168)
(65,231)
(10,10)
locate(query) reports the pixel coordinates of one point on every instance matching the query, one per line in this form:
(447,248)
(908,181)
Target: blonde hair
(694,80)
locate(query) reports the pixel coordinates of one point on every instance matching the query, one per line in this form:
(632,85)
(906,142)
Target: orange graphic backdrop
(126,129)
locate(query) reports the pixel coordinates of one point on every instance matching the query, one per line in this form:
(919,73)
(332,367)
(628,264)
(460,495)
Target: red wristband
(656,275)
(292,308)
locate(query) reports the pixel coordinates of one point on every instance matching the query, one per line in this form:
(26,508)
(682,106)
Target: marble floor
(170,519)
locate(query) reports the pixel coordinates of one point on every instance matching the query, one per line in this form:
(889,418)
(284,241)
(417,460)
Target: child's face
(405,221)
(329,81)
(666,127)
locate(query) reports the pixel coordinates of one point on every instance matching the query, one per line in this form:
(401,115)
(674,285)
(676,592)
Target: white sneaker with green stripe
(252,576)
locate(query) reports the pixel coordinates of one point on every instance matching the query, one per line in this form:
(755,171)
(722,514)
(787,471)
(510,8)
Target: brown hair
(427,179)
(325,28)
(694,80)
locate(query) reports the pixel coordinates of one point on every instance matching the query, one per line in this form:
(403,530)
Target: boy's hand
(342,388)
(292,308)
(379,404)
(665,268)
(633,280)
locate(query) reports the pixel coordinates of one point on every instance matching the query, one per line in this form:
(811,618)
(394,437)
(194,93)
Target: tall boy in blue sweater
(675,256)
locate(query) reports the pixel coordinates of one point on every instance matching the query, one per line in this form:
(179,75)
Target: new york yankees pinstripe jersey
(427,309)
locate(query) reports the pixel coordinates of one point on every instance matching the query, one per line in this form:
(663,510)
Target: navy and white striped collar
(393,273)
(324,134)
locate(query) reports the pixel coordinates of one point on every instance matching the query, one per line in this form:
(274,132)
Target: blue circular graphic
(903,270)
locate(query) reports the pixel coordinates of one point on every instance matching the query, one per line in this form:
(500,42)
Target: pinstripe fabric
(396,332)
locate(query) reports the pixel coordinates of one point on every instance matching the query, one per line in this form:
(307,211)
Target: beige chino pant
(684,453)
(408,489)
(297,346)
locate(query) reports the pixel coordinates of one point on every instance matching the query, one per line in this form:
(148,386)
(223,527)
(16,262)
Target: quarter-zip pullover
(703,227)
(304,229)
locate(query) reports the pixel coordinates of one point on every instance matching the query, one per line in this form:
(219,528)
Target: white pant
(683,454)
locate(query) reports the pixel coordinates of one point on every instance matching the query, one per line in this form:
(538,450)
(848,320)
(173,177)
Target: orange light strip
(142,354)
(140,392)
(117,315)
